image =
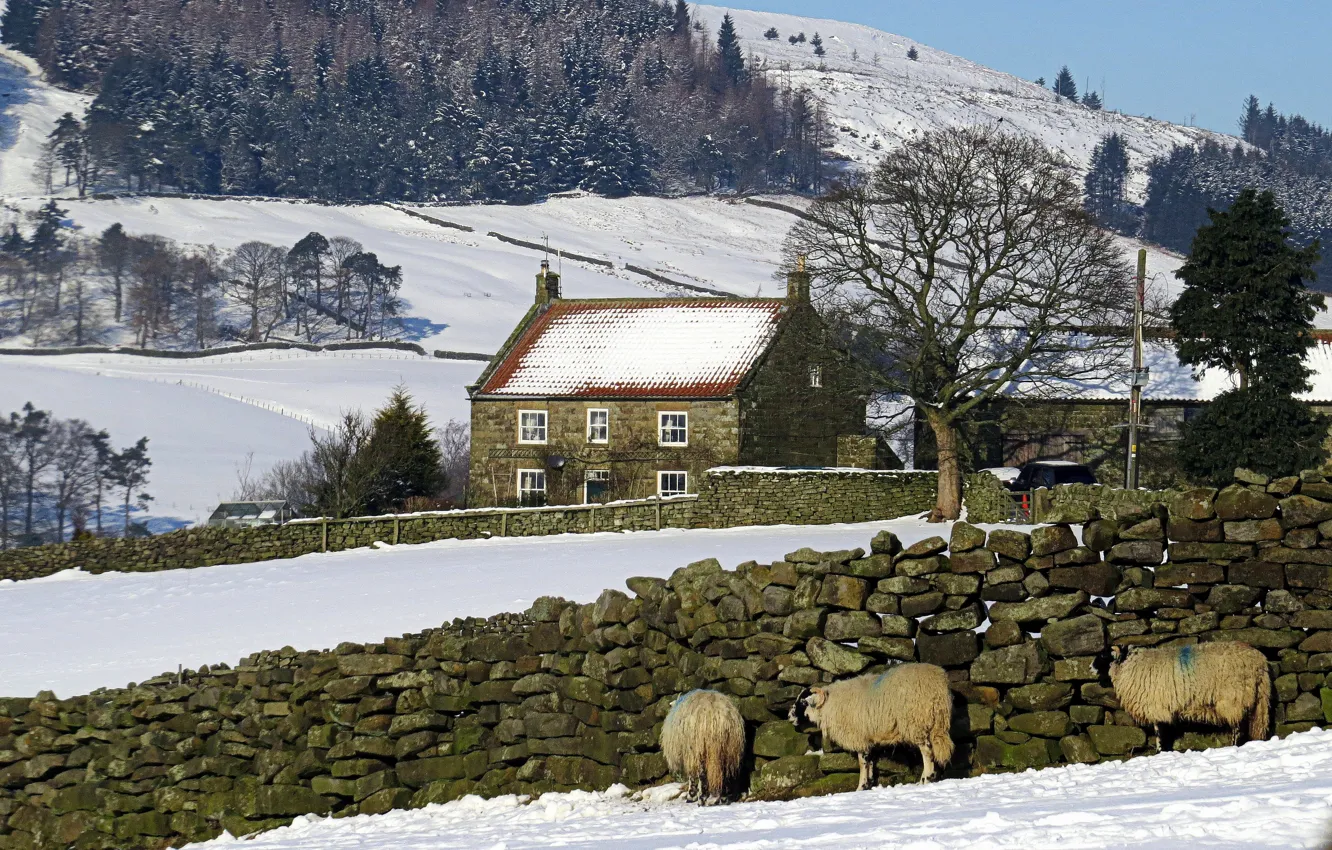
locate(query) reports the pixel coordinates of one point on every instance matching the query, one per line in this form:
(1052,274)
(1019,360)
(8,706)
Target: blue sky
(1175,60)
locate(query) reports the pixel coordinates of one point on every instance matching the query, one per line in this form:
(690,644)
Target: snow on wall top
(661,348)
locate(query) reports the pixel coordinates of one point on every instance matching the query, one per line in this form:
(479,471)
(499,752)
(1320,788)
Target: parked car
(1048,473)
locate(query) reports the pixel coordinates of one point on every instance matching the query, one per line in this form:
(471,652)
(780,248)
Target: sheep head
(808,706)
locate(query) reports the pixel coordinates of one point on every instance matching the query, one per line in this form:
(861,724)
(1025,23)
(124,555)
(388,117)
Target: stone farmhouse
(592,400)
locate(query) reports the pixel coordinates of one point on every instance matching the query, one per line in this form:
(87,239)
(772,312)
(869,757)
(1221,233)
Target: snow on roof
(1171,381)
(663,348)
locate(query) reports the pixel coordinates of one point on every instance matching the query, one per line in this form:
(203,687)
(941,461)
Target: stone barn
(592,400)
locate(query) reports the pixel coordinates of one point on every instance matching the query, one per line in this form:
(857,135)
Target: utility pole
(1139,379)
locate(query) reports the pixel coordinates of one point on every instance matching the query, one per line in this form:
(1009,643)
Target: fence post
(323,534)
(395,529)
(658,498)
(504,523)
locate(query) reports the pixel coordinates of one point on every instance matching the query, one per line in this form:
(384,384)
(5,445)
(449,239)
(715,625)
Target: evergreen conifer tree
(403,448)
(817,42)
(1245,309)
(1064,86)
(728,52)
(1105,181)
(771,33)
(912,53)
(1092,100)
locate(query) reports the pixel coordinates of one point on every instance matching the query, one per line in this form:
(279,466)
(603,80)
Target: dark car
(1048,473)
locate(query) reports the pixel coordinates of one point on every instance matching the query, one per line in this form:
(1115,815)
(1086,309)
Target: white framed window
(672,483)
(532,426)
(596,484)
(815,375)
(598,425)
(673,428)
(531,486)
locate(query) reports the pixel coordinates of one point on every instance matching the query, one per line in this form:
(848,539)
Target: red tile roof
(650,348)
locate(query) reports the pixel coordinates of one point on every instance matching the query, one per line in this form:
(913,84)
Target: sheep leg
(864,771)
(1156,733)
(1235,736)
(927,762)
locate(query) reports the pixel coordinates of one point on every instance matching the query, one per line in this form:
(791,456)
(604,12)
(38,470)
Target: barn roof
(648,348)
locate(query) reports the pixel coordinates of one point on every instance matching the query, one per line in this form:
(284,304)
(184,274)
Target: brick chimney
(547,284)
(797,283)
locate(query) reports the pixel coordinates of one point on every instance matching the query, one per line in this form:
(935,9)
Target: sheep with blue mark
(703,740)
(1218,683)
(907,704)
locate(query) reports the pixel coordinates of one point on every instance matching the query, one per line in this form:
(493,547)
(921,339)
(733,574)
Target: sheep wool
(703,739)
(1216,683)
(907,704)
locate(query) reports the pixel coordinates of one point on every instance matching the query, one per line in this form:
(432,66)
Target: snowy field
(196,439)
(1275,794)
(74,631)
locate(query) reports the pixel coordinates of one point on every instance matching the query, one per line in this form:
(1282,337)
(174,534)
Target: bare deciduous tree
(963,267)
(254,270)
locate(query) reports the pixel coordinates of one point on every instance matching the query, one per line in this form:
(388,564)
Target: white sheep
(1216,683)
(907,704)
(703,740)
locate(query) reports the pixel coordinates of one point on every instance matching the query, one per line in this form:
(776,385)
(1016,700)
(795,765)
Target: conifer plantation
(439,99)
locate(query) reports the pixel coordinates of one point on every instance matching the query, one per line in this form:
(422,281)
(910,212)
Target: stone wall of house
(572,696)
(727,497)
(632,457)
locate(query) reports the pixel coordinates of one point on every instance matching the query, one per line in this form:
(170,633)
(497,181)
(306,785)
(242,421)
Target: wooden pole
(1136,384)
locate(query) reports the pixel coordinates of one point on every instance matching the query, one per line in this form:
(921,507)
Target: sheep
(1215,683)
(907,704)
(703,740)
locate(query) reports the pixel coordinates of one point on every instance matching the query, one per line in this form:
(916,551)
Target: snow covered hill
(29,109)
(876,96)
(1264,794)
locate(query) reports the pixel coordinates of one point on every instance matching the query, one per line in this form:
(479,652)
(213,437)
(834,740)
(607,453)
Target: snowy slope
(1264,794)
(196,439)
(29,109)
(73,631)
(875,94)
(312,387)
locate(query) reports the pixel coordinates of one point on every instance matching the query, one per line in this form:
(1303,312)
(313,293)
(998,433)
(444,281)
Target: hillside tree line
(437,99)
(1288,156)
(61,287)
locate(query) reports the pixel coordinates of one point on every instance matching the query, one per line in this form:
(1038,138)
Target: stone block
(1044,724)
(843,592)
(1257,574)
(415,773)
(1232,598)
(965,537)
(1055,606)
(925,548)
(993,752)
(805,624)
(1116,740)
(1145,598)
(903,585)
(1043,696)
(883,603)
(1188,531)
(1236,503)
(1083,635)
(779,738)
(873,567)
(1019,664)
(1146,552)
(921,604)
(1078,749)
(956,585)
(1147,529)
(1302,510)
(1098,579)
(851,625)
(948,650)
(1253,531)
(370,665)
(972,561)
(967,617)
(1004,633)
(1049,539)
(1009,544)
(1261,638)
(901,648)
(1309,576)
(904,566)
(834,658)
(885,543)
(779,777)
(1181,552)
(1195,504)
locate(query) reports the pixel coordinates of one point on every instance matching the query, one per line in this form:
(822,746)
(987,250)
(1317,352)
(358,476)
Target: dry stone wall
(728,497)
(570,695)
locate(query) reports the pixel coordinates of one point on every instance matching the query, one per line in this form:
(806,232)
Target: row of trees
(64,288)
(381,99)
(366,466)
(60,479)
